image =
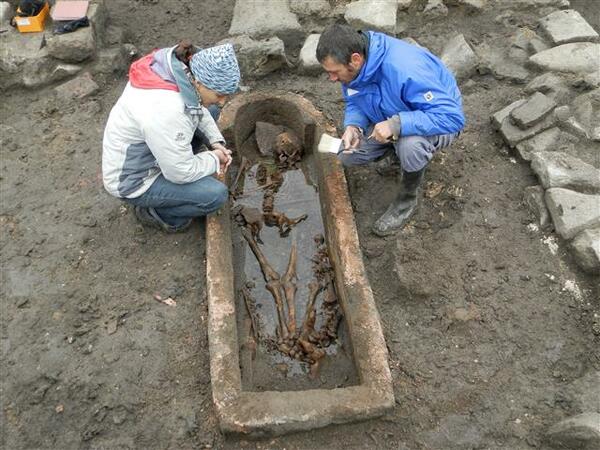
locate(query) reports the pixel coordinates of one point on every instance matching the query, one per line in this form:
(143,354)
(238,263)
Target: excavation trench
(294,334)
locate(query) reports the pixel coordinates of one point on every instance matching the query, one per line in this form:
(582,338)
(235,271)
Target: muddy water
(265,368)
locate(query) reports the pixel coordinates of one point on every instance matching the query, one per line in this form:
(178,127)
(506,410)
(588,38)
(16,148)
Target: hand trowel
(329,144)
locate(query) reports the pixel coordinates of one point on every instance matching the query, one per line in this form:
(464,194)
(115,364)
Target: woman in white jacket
(147,158)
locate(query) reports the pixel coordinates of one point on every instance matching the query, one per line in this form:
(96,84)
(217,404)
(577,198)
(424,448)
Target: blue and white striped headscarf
(217,68)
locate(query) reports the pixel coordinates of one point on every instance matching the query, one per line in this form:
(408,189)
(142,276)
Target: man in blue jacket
(398,97)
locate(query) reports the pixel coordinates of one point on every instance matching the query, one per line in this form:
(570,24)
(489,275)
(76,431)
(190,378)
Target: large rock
(258,58)
(567,26)
(264,18)
(499,63)
(578,57)
(308,55)
(578,432)
(557,169)
(572,212)
(586,250)
(372,15)
(77,46)
(310,7)
(550,140)
(98,17)
(77,88)
(459,57)
(6,13)
(111,60)
(532,111)
(586,109)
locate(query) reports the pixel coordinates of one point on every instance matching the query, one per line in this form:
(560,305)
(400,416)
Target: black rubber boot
(402,207)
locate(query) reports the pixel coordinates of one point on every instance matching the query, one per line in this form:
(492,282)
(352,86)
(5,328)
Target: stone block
(558,169)
(586,110)
(111,60)
(572,212)
(504,113)
(372,15)
(308,55)
(578,432)
(435,8)
(532,111)
(563,27)
(460,58)
(497,62)
(98,16)
(586,250)
(579,57)
(258,58)
(543,142)
(310,7)
(513,134)
(533,198)
(77,88)
(77,46)
(249,18)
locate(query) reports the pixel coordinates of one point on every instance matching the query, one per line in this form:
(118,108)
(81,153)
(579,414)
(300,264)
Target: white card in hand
(329,144)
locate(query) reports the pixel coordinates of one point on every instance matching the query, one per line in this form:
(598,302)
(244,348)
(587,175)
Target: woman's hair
(185,50)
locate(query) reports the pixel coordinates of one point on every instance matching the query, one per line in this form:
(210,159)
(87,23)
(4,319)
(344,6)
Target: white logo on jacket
(180,137)
(351,92)
(428,96)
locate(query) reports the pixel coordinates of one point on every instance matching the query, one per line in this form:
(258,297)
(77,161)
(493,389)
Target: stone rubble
(555,128)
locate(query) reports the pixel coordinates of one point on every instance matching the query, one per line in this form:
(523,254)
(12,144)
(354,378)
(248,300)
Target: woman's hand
(224,156)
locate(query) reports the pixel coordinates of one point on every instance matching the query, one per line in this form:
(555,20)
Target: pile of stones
(37,59)
(557,129)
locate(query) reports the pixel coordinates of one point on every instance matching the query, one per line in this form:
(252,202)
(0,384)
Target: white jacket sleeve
(209,127)
(169,138)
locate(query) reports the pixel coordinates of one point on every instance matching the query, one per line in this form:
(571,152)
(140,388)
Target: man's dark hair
(339,42)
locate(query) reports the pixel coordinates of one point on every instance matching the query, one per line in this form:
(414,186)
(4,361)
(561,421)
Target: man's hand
(224,156)
(382,132)
(351,138)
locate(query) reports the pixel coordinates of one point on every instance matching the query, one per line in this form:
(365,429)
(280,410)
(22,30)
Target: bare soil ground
(484,339)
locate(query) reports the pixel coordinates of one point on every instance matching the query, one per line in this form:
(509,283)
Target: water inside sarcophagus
(264,367)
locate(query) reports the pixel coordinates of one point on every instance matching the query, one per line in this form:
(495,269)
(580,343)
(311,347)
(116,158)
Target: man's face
(344,73)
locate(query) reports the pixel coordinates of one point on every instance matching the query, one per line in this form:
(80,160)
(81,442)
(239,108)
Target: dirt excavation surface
(492,329)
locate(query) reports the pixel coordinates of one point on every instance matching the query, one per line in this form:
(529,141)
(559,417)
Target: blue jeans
(176,204)
(414,152)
